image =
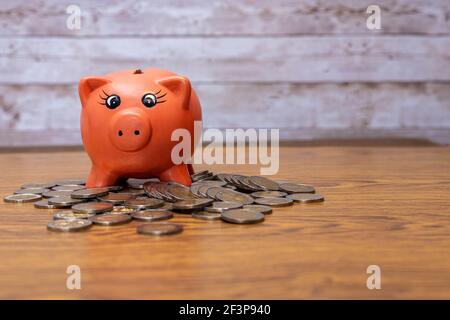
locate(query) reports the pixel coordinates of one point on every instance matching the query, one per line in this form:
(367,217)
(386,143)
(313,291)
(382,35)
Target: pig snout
(130,130)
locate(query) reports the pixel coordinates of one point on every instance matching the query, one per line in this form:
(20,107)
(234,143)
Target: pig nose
(130,130)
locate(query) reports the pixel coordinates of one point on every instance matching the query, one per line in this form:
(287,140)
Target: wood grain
(215,18)
(230,59)
(49,114)
(384,206)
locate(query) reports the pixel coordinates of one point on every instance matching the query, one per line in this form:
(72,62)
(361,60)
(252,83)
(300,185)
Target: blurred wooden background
(310,68)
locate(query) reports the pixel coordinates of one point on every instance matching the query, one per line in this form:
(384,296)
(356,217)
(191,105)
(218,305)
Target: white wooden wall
(308,67)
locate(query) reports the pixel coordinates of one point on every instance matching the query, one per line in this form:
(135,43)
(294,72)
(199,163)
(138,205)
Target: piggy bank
(127,120)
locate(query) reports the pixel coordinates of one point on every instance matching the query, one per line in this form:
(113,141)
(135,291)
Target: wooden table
(385,206)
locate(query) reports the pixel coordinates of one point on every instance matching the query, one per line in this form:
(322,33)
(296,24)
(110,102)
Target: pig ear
(89,84)
(180,86)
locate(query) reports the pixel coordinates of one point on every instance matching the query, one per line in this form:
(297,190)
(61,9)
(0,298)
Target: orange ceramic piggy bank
(127,120)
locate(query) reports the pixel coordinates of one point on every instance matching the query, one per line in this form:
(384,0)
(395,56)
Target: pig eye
(113,101)
(149,99)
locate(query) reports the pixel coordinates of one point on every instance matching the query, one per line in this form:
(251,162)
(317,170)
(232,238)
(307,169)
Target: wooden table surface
(385,206)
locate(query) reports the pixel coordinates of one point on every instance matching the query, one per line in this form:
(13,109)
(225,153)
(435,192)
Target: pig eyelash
(159,97)
(104,98)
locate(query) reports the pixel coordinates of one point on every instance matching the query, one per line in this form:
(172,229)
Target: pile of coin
(230,198)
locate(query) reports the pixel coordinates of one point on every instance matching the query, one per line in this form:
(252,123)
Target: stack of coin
(232,198)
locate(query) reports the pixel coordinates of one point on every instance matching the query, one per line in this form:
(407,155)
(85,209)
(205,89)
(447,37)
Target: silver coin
(152,215)
(258,208)
(141,204)
(68,188)
(159,228)
(265,183)
(306,197)
(220,206)
(139,183)
(53,194)
(198,174)
(268,194)
(64,201)
(242,216)
(89,193)
(202,176)
(43,204)
(37,186)
(70,215)
(117,198)
(205,215)
(234,196)
(115,188)
(70,182)
(215,183)
(213,191)
(274,202)
(93,207)
(69,225)
(297,188)
(135,192)
(180,192)
(21,198)
(108,219)
(192,204)
(31,191)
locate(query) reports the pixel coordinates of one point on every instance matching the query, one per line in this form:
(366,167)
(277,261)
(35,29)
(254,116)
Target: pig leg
(100,178)
(178,173)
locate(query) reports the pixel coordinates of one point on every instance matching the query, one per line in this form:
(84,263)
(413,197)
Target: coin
(192,204)
(306,197)
(205,215)
(21,198)
(115,188)
(92,207)
(258,208)
(139,183)
(68,188)
(152,215)
(144,203)
(274,202)
(71,182)
(220,206)
(37,186)
(297,188)
(179,192)
(265,183)
(214,183)
(52,194)
(64,201)
(234,196)
(122,210)
(159,228)
(31,191)
(117,198)
(89,193)
(268,194)
(69,225)
(242,216)
(213,191)
(43,204)
(70,215)
(108,219)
